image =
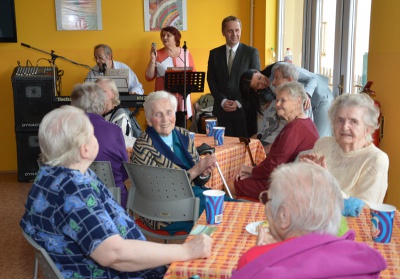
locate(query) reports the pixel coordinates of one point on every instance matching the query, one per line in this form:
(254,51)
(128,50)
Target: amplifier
(28,151)
(29,72)
(33,89)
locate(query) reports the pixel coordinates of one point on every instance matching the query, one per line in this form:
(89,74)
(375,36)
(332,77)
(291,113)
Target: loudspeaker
(32,101)
(28,151)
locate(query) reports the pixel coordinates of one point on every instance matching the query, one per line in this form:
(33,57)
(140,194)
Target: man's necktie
(230,61)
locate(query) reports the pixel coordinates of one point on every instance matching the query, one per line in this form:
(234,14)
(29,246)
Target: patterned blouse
(70,214)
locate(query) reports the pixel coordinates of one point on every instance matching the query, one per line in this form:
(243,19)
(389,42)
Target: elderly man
(104,60)
(303,209)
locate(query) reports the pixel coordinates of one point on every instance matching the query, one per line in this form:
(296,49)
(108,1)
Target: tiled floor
(16,257)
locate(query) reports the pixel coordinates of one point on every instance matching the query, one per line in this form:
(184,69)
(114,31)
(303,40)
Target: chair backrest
(42,258)
(161,194)
(104,172)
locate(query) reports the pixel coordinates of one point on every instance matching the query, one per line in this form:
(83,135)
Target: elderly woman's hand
(313,158)
(198,247)
(307,103)
(204,167)
(207,163)
(245,172)
(264,236)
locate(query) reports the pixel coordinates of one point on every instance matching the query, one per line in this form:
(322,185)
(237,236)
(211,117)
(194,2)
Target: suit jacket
(223,85)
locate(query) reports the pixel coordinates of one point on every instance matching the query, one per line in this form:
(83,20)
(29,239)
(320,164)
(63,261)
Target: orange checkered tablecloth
(231,240)
(230,157)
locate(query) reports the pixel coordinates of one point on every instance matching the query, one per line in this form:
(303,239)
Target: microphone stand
(184,84)
(53,64)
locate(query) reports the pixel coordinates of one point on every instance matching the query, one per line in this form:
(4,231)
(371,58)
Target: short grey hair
(155,96)
(90,97)
(61,134)
(107,49)
(111,84)
(310,193)
(295,90)
(362,101)
(287,69)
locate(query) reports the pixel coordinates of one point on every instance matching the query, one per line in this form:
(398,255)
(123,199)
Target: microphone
(103,68)
(25,45)
(184,46)
(153,45)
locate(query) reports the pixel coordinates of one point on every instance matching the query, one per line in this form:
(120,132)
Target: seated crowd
(88,234)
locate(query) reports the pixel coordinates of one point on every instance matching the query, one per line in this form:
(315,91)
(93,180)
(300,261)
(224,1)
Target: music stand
(175,83)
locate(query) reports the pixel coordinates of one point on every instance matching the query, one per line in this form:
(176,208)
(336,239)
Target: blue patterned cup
(214,206)
(382,216)
(219,135)
(210,124)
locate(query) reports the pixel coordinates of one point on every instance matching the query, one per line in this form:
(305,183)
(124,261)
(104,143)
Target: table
(231,240)
(230,157)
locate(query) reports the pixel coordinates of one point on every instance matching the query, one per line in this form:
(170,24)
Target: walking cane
(210,151)
(246,141)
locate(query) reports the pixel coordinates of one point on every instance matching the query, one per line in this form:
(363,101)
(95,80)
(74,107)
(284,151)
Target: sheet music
(120,77)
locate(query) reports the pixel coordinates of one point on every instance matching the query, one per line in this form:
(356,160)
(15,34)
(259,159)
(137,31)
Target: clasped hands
(206,164)
(313,158)
(230,106)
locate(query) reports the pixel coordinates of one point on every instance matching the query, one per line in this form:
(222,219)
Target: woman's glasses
(263,197)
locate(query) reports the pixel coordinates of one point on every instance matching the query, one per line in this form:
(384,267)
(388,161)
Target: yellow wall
(384,58)
(123,30)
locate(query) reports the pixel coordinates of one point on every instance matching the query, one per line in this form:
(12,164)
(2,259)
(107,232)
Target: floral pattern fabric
(70,214)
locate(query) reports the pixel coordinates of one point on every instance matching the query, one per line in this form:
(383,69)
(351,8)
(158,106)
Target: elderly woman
(116,114)
(303,208)
(298,134)
(360,167)
(252,83)
(316,86)
(92,99)
(72,215)
(164,145)
(170,56)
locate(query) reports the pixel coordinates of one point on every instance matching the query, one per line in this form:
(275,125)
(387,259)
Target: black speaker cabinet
(28,151)
(32,101)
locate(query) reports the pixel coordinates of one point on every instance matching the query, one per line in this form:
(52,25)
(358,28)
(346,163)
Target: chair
(104,172)
(161,194)
(43,260)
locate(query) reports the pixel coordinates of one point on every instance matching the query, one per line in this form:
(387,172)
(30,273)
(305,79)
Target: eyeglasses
(99,58)
(263,197)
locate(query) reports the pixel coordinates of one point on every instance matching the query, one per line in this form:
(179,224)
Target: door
(334,41)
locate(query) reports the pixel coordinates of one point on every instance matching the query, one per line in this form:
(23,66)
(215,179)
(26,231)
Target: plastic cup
(219,135)
(382,222)
(210,124)
(191,135)
(214,206)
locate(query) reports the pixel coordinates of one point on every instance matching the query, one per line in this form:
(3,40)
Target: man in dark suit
(224,83)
